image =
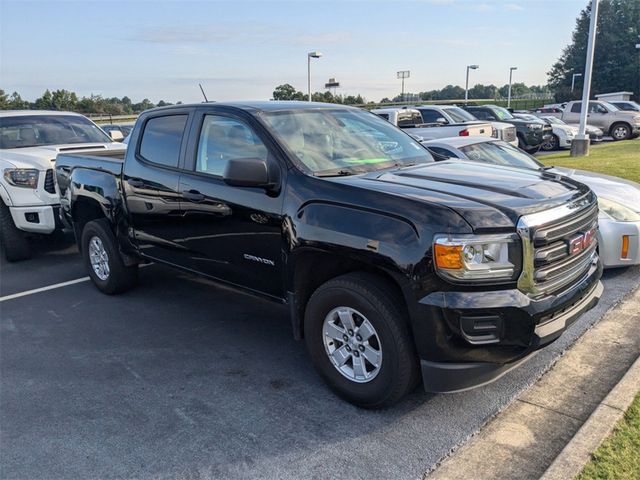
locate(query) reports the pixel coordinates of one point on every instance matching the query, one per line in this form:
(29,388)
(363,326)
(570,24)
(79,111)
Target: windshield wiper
(339,173)
(548,167)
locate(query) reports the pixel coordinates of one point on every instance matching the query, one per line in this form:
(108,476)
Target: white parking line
(54,286)
(43,289)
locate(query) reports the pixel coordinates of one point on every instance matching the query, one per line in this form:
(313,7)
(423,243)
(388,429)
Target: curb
(577,453)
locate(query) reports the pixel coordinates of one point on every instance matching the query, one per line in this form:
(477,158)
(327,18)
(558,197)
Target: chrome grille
(49,184)
(558,246)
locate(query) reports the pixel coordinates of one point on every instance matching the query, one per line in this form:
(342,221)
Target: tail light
(463,133)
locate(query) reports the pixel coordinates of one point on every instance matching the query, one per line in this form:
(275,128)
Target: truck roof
(265,105)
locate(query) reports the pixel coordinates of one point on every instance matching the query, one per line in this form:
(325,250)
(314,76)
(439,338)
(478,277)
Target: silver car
(618,199)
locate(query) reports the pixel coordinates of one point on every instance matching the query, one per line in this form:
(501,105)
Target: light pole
(511,69)
(580,143)
(402,74)
(310,55)
(573,79)
(466,88)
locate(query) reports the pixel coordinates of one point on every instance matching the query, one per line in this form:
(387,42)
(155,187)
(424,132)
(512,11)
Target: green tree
(16,102)
(4,100)
(45,102)
(616,64)
(287,92)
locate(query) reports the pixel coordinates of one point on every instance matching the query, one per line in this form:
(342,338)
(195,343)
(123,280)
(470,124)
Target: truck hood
(488,197)
(43,157)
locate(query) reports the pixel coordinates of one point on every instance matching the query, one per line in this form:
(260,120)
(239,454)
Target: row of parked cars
(402,260)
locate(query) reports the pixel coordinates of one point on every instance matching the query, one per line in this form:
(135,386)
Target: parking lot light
(310,55)
(466,88)
(511,69)
(573,79)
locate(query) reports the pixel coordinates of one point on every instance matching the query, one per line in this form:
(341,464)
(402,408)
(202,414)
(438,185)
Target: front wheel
(13,240)
(106,268)
(620,131)
(550,144)
(359,340)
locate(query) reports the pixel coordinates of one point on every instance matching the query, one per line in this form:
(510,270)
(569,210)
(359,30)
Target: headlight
(617,211)
(533,126)
(22,177)
(569,134)
(475,257)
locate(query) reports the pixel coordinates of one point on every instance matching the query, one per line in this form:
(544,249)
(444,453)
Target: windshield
(37,130)
(610,106)
(500,153)
(502,113)
(555,120)
(459,115)
(344,141)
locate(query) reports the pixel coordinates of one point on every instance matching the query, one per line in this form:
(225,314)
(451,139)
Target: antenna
(203,94)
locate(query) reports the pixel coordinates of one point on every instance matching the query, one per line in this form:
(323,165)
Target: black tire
(620,131)
(551,144)
(119,278)
(13,240)
(373,298)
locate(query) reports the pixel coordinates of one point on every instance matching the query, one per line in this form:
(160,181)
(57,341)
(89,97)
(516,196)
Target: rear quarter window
(161,139)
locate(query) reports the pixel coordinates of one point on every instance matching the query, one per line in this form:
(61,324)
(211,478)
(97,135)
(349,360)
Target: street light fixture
(310,55)
(573,79)
(402,74)
(466,89)
(511,69)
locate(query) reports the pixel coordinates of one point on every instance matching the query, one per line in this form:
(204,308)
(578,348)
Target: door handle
(135,182)
(193,196)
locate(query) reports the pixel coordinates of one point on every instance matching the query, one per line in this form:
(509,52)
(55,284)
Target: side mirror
(491,118)
(116,135)
(441,120)
(247,172)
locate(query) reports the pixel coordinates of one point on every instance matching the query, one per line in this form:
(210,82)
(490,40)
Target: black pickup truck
(531,133)
(394,268)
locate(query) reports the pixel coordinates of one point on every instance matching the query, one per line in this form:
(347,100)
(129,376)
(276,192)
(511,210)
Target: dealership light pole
(580,143)
(573,79)
(402,74)
(310,55)
(466,88)
(511,69)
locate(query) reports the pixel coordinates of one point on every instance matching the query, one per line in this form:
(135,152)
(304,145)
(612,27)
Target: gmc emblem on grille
(581,242)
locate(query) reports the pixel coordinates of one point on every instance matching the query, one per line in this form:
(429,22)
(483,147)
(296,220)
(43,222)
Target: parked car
(451,114)
(595,134)
(561,137)
(29,143)
(626,105)
(531,133)
(619,124)
(619,199)
(120,130)
(390,263)
(410,120)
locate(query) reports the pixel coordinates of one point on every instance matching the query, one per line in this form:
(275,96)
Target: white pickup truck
(29,143)
(411,120)
(619,124)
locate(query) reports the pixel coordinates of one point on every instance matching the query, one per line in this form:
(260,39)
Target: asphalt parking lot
(182,379)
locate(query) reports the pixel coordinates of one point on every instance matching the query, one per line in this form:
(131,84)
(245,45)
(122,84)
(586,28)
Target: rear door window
(162,138)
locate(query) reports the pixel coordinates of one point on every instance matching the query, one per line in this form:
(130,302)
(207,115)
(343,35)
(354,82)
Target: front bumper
(610,240)
(37,219)
(453,360)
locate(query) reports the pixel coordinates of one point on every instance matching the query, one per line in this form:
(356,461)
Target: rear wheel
(103,260)
(359,340)
(550,144)
(13,240)
(620,131)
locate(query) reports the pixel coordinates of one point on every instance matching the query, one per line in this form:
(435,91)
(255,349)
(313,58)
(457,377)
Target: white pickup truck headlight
(22,177)
(474,257)
(617,211)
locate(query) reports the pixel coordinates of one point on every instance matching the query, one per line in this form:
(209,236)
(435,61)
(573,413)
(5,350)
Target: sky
(242,49)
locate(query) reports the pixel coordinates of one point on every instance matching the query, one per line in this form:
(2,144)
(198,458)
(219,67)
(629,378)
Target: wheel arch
(315,267)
